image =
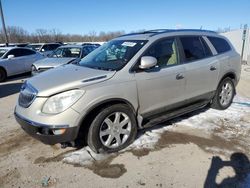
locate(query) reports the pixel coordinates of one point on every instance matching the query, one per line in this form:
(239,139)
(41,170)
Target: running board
(173,114)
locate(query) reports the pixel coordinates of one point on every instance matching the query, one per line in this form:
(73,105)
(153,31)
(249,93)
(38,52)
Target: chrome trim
(36,124)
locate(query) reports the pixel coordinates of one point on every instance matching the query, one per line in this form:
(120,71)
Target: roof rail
(160,31)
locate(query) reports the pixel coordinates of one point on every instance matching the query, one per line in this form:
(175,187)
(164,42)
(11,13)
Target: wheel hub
(115,130)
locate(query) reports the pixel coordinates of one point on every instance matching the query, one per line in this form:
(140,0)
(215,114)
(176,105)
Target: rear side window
(194,48)
(28,52)
(221,45)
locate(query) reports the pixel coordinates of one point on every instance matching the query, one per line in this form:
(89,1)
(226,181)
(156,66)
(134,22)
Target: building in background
(236,38)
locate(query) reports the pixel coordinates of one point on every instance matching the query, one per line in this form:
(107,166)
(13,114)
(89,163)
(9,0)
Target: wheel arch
(1,67)
(231,75)
(86,120)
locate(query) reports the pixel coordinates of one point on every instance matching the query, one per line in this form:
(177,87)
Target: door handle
(179,76)
(212,68)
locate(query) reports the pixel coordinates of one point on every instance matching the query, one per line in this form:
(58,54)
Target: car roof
(145,35)
(44,43)
(71,46)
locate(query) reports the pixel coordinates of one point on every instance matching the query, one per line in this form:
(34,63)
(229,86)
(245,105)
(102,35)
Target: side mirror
(10,56)
(147,62)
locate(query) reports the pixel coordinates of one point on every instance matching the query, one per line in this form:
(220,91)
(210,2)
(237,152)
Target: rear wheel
(2,75)
(113,129)
(224,95)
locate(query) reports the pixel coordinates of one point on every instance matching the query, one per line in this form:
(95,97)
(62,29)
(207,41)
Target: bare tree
(19,35)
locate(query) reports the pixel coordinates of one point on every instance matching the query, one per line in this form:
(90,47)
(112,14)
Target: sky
(85,16)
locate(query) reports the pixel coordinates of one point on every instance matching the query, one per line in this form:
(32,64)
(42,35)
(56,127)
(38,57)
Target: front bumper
(44,133)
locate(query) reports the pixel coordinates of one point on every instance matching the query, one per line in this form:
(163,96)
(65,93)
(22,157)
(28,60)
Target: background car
(61,56)
(44,48)
(16,60)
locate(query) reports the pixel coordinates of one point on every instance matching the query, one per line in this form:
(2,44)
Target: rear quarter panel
(229,63)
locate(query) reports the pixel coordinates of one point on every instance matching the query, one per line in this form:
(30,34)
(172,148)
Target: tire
(2,75)
(106,129)
(223,93)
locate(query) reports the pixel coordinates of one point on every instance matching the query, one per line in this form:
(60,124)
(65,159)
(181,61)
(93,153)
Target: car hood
(67,77)
(52,62)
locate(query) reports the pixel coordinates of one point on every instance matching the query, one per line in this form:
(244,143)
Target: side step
(175,113)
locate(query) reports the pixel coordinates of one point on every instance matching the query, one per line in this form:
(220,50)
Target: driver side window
(165,51)
(15,52)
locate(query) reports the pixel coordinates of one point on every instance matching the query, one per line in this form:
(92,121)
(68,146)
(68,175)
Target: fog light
(58,131)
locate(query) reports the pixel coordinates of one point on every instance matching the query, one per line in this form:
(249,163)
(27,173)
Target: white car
(16,60)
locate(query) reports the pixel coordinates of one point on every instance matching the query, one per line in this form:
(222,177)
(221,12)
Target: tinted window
(15,52)
(165,52)
(220,44)
(28,52)
(46,47)
(20,52)
(54,46)
(194,49)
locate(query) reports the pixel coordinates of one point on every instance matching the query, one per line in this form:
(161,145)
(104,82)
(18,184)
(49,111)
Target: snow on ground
(228,124)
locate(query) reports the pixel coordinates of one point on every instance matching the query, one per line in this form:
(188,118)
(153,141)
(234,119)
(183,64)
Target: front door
(162,86)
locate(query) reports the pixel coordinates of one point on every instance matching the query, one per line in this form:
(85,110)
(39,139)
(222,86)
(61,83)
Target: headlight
(62,101)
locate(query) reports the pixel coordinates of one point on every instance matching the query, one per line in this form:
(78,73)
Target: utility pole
(3,24)
(244,39)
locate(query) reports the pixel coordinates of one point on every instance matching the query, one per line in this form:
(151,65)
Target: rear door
(30,57)
(201,68)
(163,86)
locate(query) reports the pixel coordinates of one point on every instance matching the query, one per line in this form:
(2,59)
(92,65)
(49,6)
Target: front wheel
(113,129)
(224,95)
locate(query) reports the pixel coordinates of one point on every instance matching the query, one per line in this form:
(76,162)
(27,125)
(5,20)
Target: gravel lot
(202,149)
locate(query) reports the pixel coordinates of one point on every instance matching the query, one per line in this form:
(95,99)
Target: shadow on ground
(241,166)
(9,89)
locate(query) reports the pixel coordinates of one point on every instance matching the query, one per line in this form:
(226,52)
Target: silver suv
(132,82)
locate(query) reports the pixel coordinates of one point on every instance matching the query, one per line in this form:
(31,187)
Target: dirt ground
(207,148)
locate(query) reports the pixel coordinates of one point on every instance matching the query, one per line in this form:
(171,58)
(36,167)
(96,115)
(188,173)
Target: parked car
(61,56)
(132,82)
(16,60)
(44,48)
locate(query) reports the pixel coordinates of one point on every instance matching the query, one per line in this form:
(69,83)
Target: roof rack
(160,31)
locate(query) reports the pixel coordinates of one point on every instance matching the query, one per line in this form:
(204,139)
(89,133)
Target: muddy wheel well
(91,114)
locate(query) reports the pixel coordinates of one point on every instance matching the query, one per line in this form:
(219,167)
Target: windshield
(113,55)
(2,52)
(67,52)
(36,47)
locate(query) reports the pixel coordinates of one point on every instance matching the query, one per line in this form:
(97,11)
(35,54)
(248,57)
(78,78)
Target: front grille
(27,95)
